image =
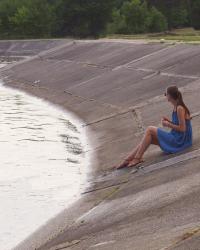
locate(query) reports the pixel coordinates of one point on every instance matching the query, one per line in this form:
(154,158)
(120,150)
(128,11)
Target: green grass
(186,35)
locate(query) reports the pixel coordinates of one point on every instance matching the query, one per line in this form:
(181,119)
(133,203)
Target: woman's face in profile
(169,98)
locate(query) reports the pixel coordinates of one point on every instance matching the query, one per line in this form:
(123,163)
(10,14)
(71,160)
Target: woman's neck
(175,107)
(175,103)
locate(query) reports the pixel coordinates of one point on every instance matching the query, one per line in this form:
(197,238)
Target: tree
(33,19)
(93,18)
(136,16)
(179,17)
(176,12)
(157,22)
(7,10)
(82,18)
(118,23)
(195,14)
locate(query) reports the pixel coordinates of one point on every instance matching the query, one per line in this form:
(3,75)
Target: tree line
(94,18)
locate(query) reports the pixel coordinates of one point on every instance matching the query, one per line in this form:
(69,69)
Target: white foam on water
(43,166)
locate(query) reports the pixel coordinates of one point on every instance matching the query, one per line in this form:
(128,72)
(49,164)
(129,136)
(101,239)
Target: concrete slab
(107,54)
(128,90)
(86,109)
(56,74)
(108,83)
(28,47)
(178,59)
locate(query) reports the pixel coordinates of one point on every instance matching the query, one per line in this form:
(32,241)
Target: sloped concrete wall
(117,89)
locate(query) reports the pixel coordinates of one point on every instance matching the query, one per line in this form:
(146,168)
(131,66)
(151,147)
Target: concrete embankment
(117,88)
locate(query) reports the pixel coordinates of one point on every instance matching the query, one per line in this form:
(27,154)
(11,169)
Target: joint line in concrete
(143,57)
(170,162)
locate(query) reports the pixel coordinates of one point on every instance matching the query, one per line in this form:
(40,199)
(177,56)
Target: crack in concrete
(24,82)
(143,57)
(91,79)
(85,63)
(91,99)
(40,56)
(186,89)
(170,162)
(184,237)
(162,73)
(196,114)
(105,187)
(138,119)
(65,245)
(136,113)
(79,220)
(106,118)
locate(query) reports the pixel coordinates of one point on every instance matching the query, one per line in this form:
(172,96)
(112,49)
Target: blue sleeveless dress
(175,141)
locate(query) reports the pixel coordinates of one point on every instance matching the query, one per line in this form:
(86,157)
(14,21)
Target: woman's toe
(123,165)
(134,162)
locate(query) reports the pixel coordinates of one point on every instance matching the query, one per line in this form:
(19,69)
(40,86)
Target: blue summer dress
(175,141)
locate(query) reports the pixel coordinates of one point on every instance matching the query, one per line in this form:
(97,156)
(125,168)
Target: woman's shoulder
(180,108)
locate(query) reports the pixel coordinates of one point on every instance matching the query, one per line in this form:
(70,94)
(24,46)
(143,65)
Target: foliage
(136,17)
(82,18)
(195,14)
(25,18)
(94,18)
(158,21)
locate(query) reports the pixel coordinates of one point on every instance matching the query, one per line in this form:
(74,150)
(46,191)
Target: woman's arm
(181,117)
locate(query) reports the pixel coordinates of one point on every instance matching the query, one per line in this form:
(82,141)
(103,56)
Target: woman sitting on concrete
(173,141)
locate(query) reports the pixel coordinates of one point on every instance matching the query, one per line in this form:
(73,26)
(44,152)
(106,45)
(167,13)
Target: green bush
(157,21)
(94,18)
(179,17)
(195,15)
(136,17)
(82,18)
(118,24)
(34,19)
(25,18)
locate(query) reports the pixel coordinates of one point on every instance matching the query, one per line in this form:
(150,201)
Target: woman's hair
(174,92)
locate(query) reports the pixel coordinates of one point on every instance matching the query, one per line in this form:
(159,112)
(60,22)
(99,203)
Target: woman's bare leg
(135,150)
(133,153)
(128,159)
(150,137)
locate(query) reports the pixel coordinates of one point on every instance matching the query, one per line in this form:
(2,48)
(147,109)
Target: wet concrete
(117,89)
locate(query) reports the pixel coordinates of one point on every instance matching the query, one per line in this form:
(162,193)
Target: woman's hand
(164,118)
(181,117)
(166,123)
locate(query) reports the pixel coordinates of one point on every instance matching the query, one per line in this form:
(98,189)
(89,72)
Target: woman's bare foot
(124,164)
(135,162)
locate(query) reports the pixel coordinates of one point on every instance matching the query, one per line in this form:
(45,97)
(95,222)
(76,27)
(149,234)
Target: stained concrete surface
(117,89)
(27,47)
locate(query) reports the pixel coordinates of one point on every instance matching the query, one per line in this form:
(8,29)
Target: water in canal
(42,166)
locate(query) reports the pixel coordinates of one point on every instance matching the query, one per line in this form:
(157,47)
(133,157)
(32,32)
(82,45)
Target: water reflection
(42,164)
